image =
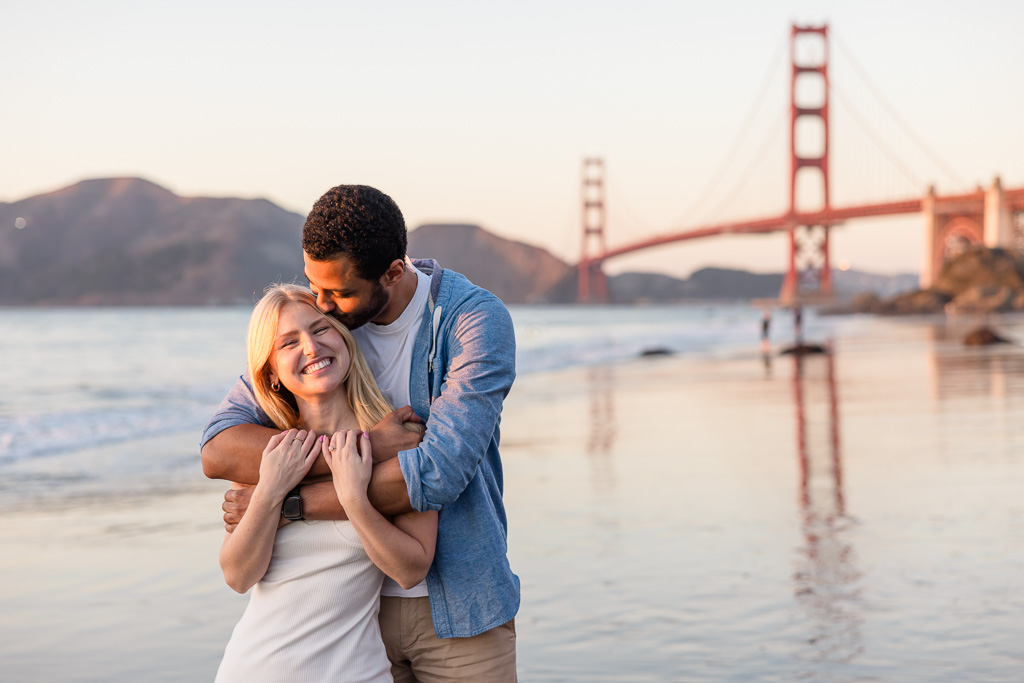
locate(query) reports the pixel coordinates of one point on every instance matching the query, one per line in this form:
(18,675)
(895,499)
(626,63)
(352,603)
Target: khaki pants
(418,656)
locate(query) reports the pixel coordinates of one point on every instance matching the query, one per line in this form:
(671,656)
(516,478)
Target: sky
(482,112)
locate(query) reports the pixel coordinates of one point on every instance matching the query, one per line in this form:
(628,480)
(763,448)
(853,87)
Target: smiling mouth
(319,365)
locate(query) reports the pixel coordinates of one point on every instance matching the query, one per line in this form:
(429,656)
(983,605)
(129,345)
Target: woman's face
(309,356)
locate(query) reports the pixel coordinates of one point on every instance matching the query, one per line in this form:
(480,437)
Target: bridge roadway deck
(1013,198)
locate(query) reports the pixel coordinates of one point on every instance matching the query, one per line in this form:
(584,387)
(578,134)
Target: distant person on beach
(444,350)
(766,325)
(313,612)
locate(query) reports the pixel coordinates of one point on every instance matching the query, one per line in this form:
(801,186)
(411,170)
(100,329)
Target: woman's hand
(348,455)
(286,460)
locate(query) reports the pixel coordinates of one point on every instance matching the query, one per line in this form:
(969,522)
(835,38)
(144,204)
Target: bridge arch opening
(810,190)
(954,238)
(809,90)
(811,138)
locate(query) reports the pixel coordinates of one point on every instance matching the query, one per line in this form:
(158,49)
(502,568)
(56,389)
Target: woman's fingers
(351,443)
(274,442)
(365,449)
(334,446)
(308,441)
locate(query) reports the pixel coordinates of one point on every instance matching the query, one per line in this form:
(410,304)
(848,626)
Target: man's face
(342,294)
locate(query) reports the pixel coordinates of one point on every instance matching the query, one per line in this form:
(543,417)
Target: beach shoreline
(690,517)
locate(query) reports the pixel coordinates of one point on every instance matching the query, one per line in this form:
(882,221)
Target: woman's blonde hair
(363,395)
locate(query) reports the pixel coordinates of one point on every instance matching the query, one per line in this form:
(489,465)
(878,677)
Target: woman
(313,611)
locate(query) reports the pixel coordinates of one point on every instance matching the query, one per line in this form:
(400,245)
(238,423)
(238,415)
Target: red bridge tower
(809,274)
(593,285)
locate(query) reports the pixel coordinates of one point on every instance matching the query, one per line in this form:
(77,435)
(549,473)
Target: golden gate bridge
(993,216)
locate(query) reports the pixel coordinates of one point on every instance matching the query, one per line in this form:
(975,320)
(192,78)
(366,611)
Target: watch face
(292,507)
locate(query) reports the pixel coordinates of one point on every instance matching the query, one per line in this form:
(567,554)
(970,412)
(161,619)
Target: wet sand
(849,518)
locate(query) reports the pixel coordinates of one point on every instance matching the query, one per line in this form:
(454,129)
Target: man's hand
(236,502)
(392,435)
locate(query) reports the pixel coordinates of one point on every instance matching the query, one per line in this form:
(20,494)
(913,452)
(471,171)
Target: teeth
(317,366)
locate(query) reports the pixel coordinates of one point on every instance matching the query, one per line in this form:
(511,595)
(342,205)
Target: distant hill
(127,241)
(516,272)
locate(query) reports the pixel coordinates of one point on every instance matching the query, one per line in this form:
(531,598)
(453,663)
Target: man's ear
(394,273)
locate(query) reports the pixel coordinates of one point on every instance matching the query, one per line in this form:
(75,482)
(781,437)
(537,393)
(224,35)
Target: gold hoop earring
(275,386)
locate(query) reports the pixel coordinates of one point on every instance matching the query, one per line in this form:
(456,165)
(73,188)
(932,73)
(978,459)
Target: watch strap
(291,508)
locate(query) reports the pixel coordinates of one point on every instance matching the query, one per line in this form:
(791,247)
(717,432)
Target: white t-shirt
(313,615)
(388,351)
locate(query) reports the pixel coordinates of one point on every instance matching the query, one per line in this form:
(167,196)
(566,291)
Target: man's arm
(236,435)
(387,493)
(479,374)
(234,438)
(235,453)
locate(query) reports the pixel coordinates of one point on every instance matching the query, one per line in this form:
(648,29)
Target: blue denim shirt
(463,368)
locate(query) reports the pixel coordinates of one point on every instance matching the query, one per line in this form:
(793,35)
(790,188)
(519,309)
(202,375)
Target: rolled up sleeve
(464,417)
(238,407)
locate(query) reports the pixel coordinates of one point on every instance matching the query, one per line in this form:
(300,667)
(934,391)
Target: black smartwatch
(291,508)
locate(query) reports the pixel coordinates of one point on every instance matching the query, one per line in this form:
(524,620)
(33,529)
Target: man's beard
(364,314)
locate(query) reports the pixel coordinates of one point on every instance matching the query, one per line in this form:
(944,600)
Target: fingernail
(366,435)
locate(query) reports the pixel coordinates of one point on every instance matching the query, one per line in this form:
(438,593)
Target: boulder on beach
(803,350)
(983,336)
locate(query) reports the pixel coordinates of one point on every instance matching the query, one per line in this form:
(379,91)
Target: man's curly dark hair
(359,222)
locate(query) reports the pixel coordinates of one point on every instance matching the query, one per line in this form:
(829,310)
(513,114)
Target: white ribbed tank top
(313,616)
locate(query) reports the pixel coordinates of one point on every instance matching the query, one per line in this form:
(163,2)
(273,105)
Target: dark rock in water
(804,350)
(983,336)
(656,351)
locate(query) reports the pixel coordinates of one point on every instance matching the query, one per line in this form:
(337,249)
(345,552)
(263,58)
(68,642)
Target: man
(443,348)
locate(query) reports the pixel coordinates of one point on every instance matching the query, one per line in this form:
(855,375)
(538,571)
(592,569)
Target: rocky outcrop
(979,266)
(978,280)
(986,299)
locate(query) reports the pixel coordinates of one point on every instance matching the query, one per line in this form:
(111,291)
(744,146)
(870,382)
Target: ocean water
(78,382)
(709,515)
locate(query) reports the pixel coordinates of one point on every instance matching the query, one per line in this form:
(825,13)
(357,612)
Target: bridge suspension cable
(774,132)
(894,114)
(621,213)
(892,156)
(770,75)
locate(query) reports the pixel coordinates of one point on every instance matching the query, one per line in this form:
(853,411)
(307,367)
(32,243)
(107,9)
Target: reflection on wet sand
(602,428)
(826,578)
(961,372)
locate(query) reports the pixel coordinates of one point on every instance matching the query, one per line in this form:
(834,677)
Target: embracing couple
(376,549)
